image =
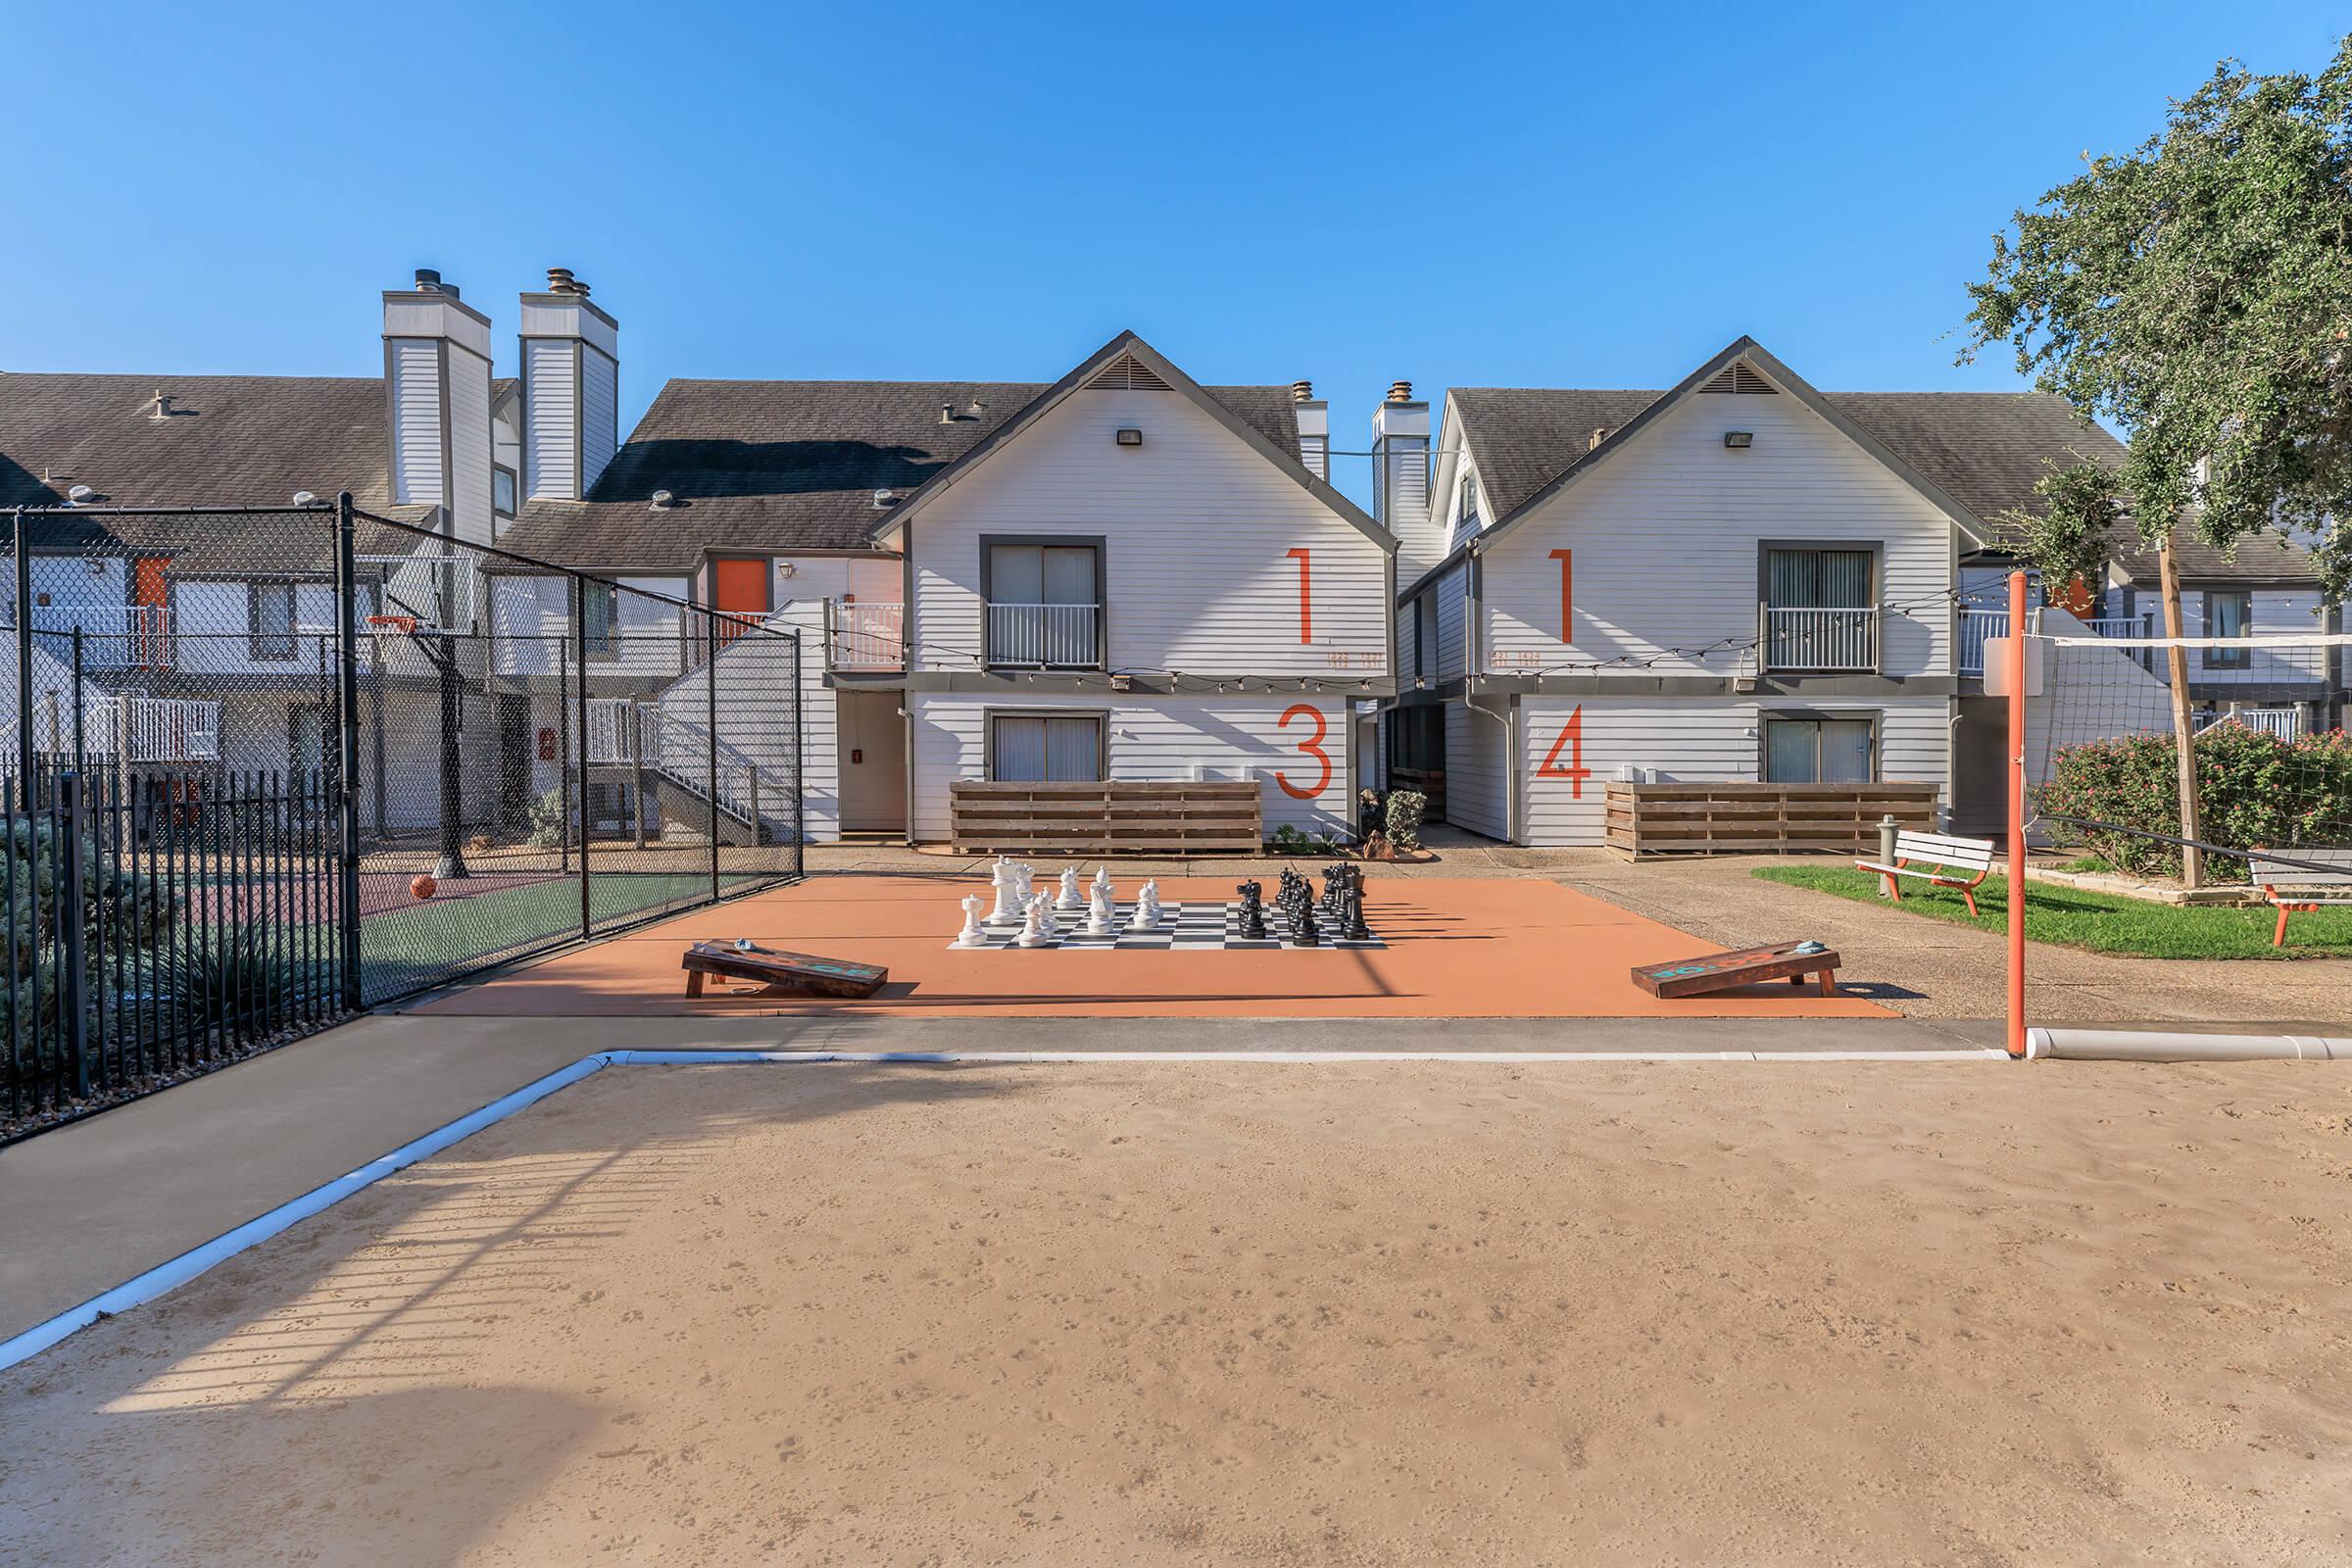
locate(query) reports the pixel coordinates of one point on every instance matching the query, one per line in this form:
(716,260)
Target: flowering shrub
(2253,790)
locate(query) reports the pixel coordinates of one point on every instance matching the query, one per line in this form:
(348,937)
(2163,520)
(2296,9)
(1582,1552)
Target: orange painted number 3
(1312,747)
(1572,740)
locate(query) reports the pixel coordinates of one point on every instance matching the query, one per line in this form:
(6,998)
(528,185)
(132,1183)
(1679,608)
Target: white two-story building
(1739,578)
(1121,576)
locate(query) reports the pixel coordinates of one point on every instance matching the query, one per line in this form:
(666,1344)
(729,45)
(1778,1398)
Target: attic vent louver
(1738,378)
(1126,373)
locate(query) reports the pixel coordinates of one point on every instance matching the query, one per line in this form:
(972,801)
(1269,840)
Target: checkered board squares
(1183,928)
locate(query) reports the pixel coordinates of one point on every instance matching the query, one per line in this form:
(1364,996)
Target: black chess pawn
(1305,934)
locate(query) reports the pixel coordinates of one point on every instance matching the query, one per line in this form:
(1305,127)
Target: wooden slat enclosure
(1115,817)
(1727,819)
(1429,783)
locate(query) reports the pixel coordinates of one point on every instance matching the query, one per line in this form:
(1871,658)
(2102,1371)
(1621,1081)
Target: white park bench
(1938,859)
(2271,875)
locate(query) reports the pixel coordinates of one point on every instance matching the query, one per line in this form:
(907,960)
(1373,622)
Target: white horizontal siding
(1665,538)
(1198,529)
(416,365)
(1477,770)
(1452,596)
(1225,738)
(1701,739)
(2275,612)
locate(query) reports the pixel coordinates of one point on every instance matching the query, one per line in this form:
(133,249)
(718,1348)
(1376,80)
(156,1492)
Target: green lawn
(2098,921)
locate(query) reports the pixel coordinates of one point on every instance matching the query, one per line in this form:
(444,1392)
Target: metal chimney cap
(1303,391)
(1400,391)
(561,281)
(428,282)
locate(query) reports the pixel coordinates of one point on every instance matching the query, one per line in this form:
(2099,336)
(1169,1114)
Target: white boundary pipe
(2156,1045)
(221,1248)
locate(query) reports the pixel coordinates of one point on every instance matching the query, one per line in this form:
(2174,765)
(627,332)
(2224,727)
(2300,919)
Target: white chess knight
(1024,882)
(1069,899)
(1147,907)
(1038,929)
(1100,918)
(1008,900)
(1102,884)
(972,936)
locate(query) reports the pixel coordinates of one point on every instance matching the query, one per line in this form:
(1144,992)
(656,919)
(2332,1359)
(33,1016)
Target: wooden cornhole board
(1721,971)
(796,972)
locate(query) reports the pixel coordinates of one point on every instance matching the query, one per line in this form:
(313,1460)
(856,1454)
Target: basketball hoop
(382,629)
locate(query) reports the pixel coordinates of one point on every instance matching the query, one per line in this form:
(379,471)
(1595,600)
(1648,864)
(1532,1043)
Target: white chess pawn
(1100,918)
(972,936)
(1039,929)
(1069,899)
(1147,907)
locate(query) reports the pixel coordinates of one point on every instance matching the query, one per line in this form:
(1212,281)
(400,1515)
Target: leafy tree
(2198,294)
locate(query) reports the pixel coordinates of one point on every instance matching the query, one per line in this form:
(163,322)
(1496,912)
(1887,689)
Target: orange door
(739,586)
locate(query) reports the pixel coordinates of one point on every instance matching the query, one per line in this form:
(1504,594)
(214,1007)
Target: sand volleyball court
(1196,1312)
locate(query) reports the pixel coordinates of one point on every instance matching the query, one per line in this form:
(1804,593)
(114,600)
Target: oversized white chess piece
(1024,878)
(1009,906)
(1098,918)
(1039,929)
(1069,899)
(1101,883)
(1147,907)
(971,936)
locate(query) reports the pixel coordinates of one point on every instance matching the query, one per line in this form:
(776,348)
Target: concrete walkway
(97,1201)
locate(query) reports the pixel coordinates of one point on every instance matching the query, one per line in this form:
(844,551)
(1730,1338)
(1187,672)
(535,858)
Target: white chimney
(437,372)
(570,389)
(1399,459)
(1314,428)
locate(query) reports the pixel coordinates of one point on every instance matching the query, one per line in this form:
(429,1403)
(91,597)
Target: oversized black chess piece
(1253,914)
(1353,928)
(1304,933)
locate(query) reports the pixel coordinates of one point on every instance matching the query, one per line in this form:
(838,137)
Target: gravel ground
(1763,1313)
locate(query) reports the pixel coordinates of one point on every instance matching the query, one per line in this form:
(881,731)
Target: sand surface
(1749,1314)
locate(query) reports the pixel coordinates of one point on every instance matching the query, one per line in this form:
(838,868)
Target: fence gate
(288,763)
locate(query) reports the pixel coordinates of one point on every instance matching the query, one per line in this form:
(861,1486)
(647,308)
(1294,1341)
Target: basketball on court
(424,887)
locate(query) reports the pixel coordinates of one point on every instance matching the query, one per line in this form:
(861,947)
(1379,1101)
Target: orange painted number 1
(1572,738)
(1312,747)
(1306,614)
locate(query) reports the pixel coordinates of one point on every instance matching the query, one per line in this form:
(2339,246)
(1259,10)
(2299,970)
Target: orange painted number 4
(1312,747)
(1572,740)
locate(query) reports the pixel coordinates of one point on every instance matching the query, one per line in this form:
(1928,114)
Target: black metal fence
(300,761)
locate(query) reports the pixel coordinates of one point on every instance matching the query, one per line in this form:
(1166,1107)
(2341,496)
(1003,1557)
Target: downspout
(1474,581)
(906,647)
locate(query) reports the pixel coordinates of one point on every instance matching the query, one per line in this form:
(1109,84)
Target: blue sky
(1527,195)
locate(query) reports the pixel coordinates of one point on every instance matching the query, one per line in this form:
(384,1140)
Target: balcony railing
(2284,722)
(864,635)
(126,727)
(112,636)
(1805,641)
(1979,625)
(1050,636)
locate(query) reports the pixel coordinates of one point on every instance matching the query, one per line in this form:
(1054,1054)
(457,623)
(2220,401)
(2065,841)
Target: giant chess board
(1183,928)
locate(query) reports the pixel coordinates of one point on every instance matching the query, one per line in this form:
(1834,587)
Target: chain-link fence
(357,738)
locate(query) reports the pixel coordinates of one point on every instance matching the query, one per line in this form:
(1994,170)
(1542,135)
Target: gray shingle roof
(792,465)
(1985,449)
(229,440)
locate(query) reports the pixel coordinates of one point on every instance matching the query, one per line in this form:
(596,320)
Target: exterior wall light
(1130,436)
(1738,440)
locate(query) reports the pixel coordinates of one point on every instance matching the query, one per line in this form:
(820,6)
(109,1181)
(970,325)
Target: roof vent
(1738,378)
(947,414)
(977,408)
(1401,392)
(662,500)
(561,281)
(1303,391)
(884,500)
(1600,433)
(163,407)
(78,494)
(304,498)
(1126,373)
(428,282)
